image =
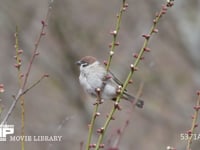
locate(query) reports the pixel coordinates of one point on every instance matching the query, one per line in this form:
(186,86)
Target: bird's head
(86,61)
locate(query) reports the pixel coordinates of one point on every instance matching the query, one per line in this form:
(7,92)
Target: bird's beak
(78,63)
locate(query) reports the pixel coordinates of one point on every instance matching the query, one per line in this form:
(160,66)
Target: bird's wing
(127,96)
(115,78)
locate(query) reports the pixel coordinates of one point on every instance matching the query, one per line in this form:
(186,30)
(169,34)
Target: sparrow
(93,75)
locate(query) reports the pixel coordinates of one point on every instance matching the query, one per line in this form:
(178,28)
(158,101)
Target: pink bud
(116,104)
(196,108)
(163,12)
(46,75)
(17,65)
(43,33)
(22,75)
(146,49)
(155,30)
(92,145)
(164,7)
(43,22)
(37,53)
(1,88)
(146,36)
(100,130)
(135,55)
(189,132)
(105,62)
(20,51)
(116,43)
(130,81)
(101,146)
(118,131)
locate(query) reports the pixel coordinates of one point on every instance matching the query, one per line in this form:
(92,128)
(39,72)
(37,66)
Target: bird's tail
(139,103)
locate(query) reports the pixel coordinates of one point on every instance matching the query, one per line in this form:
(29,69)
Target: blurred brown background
(58,106)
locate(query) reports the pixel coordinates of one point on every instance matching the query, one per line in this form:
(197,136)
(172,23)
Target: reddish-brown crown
(88,59)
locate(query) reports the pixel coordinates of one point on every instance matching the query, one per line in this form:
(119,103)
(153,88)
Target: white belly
(90,83)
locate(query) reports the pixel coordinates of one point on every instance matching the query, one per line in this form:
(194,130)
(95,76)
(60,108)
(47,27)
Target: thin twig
(34,84)
(35,51)
(17,97)
(58,129)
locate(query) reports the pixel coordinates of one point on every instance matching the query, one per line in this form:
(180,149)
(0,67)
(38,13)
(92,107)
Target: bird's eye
(85,64)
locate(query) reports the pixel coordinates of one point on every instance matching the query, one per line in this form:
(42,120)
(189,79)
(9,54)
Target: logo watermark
(35,138)
(7,131)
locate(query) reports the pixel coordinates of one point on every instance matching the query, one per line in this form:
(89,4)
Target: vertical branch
(19,76)
(94,115)
(17,57)
(194,122)
(115,33)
